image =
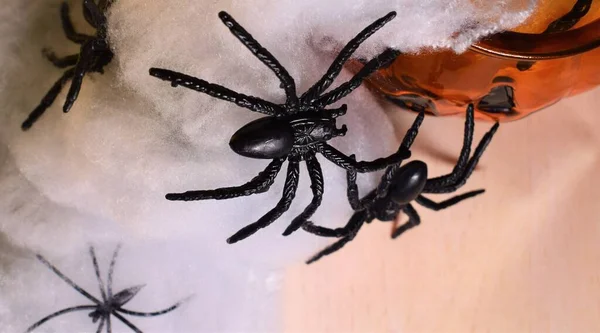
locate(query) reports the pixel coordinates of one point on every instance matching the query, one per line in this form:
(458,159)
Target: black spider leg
(317,186)
(126,322)
(413,221)
(249,102)
(289,192)
(67,280)
(462,178)
(98,277)
(407,141)
(58,313)
(352,192)
(67,25)
(462,159)
(336,67)
(80,69)
(287,82)
(428,203)
(101,325)
(259,184)
(74,286)
(347,233)
(345,162)
(382,60)
(109,292)
(111,269)
(60,62)
(356,204)
(48,99)
(95,18)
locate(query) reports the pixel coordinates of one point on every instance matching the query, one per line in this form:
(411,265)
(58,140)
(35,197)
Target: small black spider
(109,305)
(95,53)
(402,184)
(296,130)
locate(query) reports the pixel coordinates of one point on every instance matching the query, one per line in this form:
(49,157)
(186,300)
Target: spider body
(109,305)
(94,54)
(295,135)
(402,184)
(296,130)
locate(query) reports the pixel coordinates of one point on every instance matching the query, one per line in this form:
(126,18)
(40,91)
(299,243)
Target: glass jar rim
(527,46)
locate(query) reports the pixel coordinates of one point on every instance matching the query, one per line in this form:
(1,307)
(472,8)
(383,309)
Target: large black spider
(109,305)
(402,184)
(296,130)
(94,54)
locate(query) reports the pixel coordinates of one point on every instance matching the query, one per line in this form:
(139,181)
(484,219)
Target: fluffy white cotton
(99,174)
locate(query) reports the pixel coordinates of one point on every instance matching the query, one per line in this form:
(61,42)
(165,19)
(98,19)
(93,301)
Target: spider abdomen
(408,182)
(264,138)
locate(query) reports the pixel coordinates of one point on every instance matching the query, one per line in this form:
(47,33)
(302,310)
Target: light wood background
(523,257)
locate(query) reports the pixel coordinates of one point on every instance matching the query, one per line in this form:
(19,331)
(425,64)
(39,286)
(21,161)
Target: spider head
(265,138)
(408,182)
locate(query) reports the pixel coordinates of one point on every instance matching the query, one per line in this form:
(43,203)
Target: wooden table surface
(523,257)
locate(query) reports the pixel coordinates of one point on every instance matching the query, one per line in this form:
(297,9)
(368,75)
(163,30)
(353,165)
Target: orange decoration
(508,76)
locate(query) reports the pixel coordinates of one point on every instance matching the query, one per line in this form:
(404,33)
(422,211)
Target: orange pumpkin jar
(508,76)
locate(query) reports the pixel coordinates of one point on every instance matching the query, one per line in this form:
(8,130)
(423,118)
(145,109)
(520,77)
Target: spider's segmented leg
(82,66)
(353,226)
(60,62)
(58,313)
(381,61)
(67,280)
(264,56)
(413,131)
(354,220)
(95,18)
(111,270)
(101,325)
(343,161)
(406,144)
(97,271)
(428,203)
(126,322)
(317,186)
(151,314)
(336,67)
(465,152)
(462,179)
(261,183)
(108,325)
(352,191)
(68,28)
(289,192)
(48,99)
(413,221)
(249,102)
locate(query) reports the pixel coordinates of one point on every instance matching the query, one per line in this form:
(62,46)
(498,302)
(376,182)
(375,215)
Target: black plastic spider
(109,305)
(94,54)
(402,184)
(296,130)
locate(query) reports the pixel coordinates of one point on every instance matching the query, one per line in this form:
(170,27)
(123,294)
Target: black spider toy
(296,130)
(110,305)
(402,184)
(93,56)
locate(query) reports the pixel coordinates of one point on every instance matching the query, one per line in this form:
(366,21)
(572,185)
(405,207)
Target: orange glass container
(507,76)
